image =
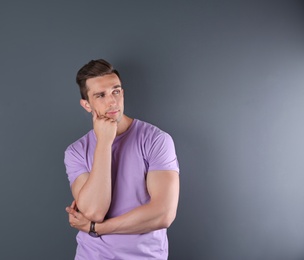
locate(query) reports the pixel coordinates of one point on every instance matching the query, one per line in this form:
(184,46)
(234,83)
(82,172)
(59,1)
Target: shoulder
(152,135)
(82,143)
(158,148)
(148,129)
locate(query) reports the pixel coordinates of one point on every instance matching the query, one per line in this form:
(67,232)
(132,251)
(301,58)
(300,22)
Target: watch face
(93,234)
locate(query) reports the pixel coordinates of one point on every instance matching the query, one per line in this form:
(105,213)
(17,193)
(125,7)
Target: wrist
(104,142)
(87,227)
(92,231)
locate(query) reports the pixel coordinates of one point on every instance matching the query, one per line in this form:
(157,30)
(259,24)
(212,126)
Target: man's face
(105,97)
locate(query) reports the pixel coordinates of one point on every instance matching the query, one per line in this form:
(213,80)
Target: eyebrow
(103,92)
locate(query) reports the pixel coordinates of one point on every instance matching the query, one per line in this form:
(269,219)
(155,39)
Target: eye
(100,95)
(116,92)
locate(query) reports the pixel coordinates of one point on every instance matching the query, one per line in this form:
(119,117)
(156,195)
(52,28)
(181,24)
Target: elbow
(92,213)
(167,219)
(96,216)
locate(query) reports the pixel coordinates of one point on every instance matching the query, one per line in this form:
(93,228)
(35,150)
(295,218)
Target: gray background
(224,78)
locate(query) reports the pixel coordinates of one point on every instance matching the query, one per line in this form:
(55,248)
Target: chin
(118,119)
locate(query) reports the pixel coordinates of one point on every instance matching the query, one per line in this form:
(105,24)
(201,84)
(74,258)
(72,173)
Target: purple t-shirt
(142,148)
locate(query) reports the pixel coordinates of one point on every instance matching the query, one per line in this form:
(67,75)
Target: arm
(158,213)
(92,191)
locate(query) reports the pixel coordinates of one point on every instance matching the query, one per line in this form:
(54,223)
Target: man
(123,176)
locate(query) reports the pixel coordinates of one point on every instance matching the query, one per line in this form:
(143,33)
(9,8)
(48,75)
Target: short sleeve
(161,154)
(74,161)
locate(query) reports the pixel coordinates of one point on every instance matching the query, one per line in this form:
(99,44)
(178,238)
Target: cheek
(121,101)
(97,104)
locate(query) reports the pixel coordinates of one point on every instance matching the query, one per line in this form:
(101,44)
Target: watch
(92,231)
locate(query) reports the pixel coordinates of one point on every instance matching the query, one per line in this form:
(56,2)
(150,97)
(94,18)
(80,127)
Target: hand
(77,219)
(105,128)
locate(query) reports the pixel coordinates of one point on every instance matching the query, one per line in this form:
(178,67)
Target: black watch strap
(92,231)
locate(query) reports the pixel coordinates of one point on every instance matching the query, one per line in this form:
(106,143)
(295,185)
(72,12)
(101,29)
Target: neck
(124,124)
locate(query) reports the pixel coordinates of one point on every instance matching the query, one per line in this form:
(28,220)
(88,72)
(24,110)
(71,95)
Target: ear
(86,105)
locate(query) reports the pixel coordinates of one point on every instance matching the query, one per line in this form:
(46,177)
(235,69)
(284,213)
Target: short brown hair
(94,68)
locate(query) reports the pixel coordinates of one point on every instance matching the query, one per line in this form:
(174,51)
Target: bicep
(78,184)
(163,188)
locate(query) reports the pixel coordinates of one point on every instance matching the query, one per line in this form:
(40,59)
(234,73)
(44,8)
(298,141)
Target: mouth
(112,113)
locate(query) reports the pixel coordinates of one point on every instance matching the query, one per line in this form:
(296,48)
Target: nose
(111,100)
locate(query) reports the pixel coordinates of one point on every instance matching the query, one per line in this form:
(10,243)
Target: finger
(100,116)
(74,205)
(72,222)
(71,211)
(71,218)
(68,210)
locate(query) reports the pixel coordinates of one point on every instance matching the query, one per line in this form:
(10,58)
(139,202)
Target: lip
(112,113)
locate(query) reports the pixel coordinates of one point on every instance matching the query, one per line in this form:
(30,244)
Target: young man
(123,176)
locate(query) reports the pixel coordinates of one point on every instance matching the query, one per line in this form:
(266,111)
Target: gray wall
(224,78)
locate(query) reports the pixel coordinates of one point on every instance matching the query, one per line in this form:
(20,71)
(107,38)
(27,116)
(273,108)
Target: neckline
(134,120)
(127,131)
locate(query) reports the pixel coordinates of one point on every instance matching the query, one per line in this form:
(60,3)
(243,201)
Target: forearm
(143,219)
(94,197)
(159,213)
